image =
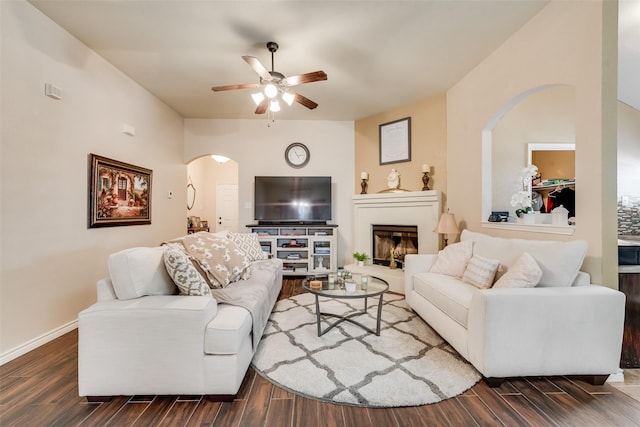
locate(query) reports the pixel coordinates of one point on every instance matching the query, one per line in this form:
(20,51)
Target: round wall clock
(297,155)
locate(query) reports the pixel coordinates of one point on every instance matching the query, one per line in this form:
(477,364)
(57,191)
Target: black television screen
(292,198)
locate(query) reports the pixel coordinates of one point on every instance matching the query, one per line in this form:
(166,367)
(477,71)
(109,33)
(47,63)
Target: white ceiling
(378,54)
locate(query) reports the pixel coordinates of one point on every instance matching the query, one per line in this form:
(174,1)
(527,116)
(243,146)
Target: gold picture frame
(119,193)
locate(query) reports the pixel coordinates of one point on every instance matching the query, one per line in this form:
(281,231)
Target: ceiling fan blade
(234,87)
(305,101)
(257,67)
(315,76)
(262,108)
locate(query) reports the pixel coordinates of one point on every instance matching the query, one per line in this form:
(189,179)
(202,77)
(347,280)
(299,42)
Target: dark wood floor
(40,389)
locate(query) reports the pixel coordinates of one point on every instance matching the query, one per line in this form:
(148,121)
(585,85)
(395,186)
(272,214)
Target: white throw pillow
(249,244)
(524,273)
(137,272)
(480,271)
(453,259)
(188,280)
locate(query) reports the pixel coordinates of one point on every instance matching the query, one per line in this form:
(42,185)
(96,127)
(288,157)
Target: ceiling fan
(275,85)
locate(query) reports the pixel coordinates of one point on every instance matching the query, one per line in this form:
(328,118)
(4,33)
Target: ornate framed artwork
(119,193)
(395,141)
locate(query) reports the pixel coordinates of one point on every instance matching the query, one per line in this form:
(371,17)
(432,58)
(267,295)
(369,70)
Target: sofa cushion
(559,261)
(453,259)
(480,271)
(249,244)
(137,272)
(225,332)
(449,294)
(183,273)
(524,273)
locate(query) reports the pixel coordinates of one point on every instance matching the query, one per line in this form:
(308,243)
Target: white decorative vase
(527,219)
(560,216)
(350,285)
(360,263)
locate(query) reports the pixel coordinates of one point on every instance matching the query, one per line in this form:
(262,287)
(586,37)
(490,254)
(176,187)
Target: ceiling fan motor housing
(276,77)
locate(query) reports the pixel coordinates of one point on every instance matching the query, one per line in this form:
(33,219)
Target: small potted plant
(361,258)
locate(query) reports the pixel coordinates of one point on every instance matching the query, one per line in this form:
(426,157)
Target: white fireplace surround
(419,208)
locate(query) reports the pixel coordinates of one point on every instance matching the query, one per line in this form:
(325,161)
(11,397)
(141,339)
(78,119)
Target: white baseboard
(18,351)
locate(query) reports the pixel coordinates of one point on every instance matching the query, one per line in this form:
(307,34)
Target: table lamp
(447,225)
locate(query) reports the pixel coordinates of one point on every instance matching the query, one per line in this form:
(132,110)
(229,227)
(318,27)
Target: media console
(305,249)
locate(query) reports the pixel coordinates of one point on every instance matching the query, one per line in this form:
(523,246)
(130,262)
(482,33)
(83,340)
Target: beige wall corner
(428,146)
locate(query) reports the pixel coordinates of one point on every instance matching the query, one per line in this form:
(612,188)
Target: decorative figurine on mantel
(425,177)
(364,176)
(393,180)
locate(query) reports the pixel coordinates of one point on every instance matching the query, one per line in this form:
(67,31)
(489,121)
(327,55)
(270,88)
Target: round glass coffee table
(376,287)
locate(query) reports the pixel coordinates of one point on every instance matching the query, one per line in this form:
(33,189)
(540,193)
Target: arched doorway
(213,193)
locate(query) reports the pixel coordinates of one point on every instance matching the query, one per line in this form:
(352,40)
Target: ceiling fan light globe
(270,90)
(288,97)
(274,106)
(257,97)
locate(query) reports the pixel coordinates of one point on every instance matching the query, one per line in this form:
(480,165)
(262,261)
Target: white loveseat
(141,338)
(562,326)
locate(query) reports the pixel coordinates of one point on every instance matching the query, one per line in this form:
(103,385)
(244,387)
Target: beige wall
(50,259)
(568,42)
(259,150)
(555,164)
(428,146)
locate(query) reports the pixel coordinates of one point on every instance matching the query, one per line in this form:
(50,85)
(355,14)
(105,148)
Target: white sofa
(562,326)
(140,338)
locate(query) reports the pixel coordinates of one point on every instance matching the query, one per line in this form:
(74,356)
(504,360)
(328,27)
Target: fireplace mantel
(419,208)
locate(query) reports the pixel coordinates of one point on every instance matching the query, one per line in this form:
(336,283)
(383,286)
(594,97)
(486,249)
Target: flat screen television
(286,199)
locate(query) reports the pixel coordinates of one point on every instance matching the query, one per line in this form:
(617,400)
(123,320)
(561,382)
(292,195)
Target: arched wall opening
(543,115)
(215,188)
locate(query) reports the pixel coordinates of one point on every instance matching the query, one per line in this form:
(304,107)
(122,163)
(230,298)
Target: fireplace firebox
(402,239)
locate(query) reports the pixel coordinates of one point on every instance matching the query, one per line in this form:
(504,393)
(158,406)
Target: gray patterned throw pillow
(184,274)
(249,244)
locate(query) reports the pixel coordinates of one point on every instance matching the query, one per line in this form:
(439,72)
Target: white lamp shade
(257,97)
(288,97)
(447,224)
(274,106)
(270,90)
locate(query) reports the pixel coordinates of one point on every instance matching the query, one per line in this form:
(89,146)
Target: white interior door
(227,207)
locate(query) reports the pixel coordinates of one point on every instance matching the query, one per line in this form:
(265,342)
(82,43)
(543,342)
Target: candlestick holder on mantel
(425,177)
(363,185)
(364,176)
(425,181)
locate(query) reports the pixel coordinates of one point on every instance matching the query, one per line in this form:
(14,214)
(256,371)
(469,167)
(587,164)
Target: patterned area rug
(407,365)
